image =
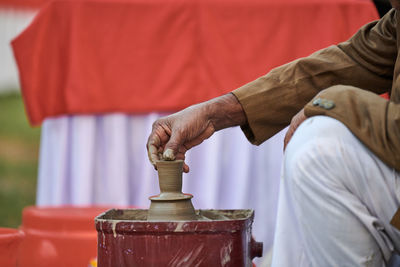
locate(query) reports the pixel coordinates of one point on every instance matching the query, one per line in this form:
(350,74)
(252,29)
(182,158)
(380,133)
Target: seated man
(340,189)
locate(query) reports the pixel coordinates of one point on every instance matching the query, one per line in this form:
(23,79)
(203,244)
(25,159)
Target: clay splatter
(113,226)
(179,227)
(104,239)
(183,257)
(128,251)
(225,254)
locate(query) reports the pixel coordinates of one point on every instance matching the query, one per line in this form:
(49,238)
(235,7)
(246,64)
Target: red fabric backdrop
(95,56)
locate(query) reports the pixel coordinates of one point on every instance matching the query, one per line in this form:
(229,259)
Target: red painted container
(58,236)
(219,238)
(10,240)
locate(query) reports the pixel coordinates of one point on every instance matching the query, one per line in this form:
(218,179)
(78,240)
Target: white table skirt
(103,160)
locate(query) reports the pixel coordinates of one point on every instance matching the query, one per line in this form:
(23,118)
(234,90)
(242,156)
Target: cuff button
(316,102)
(323,103)
(327,104)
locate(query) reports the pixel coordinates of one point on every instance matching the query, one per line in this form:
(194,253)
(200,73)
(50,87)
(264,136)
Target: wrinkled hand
(294,124)
(173,135)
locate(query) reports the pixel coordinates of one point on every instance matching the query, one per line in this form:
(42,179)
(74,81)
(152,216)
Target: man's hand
(294,124)
(173,135)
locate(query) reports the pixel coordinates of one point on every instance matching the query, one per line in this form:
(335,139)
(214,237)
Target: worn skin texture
(173,135)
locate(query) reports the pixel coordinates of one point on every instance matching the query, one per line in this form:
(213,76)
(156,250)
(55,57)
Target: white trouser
(336,201)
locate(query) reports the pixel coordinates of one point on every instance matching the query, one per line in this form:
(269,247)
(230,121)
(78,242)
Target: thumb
(172,147)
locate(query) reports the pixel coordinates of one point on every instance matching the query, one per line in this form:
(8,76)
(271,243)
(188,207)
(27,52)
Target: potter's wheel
(172,233)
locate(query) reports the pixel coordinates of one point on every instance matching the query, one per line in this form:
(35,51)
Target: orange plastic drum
(10,240)
(59,236)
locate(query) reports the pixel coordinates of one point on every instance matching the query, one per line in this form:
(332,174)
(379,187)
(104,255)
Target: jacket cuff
(251,109)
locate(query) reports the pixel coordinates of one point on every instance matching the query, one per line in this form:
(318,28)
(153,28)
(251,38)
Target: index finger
(153,144)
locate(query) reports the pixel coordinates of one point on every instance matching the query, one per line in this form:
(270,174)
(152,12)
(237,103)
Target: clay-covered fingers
(173,135)
(155,150)
(172,147)
(164,142)
(186,168)
(181,155)
(155,144)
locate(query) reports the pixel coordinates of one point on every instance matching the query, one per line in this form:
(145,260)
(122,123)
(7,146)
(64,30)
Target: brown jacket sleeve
(366,61)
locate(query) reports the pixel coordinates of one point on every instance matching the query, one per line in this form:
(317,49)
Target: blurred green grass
(19,147)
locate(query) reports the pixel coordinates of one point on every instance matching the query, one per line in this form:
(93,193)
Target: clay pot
(171,204)
(10,240)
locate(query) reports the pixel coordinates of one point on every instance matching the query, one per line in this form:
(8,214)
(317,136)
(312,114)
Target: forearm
(225,111)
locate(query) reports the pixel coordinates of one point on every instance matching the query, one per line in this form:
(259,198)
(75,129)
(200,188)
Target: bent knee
(318,151)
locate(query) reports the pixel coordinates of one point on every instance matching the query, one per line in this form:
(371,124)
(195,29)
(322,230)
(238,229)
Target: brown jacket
(352,75)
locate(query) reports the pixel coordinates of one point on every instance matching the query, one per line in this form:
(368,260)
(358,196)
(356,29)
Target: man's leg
(336,200)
